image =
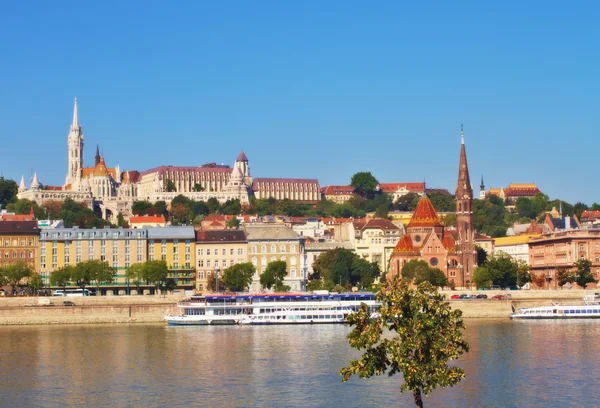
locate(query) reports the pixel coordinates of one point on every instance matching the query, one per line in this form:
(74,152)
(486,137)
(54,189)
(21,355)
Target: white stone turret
(242,163)
(22,187)
(75,150)
(35,184)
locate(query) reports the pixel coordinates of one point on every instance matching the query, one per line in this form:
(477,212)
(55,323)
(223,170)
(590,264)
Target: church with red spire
(450,250)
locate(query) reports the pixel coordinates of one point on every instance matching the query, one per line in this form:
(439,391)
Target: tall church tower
(465,244)
(75,155)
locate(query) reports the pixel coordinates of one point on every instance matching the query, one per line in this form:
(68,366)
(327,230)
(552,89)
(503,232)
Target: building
(517,247)
(19,242)
(558,250)
(216,251)
(338,194)
(304,190)
(451,251)
(530,228)
(514,191)
(590,218)
(374,240)
(562,223)
(8,216)
(310,227)
(175,246)
(485,242)
(276,242)
(120,247)
(141,221)
(397,190)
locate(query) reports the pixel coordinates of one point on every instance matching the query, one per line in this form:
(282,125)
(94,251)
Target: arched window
(273,248)
(282,248)
(282,258)
(253,249)
(292,248)
(293,261)
(263,249)
(254,261)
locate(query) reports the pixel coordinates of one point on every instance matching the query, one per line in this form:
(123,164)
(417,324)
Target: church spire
(482,186)
(463,188)
(22,187)
(97,154)
(462,132)
(75,123)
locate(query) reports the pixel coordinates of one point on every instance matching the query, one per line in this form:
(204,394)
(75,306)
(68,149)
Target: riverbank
(152,309)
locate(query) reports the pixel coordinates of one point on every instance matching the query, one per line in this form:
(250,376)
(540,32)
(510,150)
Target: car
(472,296)
(498,297)
(482,296)
(68,303)
(464,296)
(455,297)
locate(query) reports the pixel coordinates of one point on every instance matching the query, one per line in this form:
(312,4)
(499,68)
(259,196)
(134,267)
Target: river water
(511,364)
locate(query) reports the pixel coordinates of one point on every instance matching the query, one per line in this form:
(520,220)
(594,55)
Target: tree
(170,186)
(8,191)
(239,276)
(121,221)
(429,334)
(35,282)
(564,276)
(538,279)
(135,273)
(95,271)
(233,223)
(418,271)
(364,184)
(140,207)
(169,285)
(274,275)
(482,278)
(481,255)
(15,272)
(61,277)
(179,214)
(523,275)
(155,271)
(82,275)
(198,188)
(408,202)
(584,273)
(449,220)
(24,206)
(442,202)
(213,205)
(382,212)
(501,269)
(231,207)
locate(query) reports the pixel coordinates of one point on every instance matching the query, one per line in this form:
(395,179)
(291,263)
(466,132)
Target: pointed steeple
(482,186)
(462,135)
(35,184)
(75,115)
(97,154)
(22,186)
(463,188)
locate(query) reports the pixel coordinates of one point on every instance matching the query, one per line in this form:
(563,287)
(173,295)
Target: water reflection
(537,364)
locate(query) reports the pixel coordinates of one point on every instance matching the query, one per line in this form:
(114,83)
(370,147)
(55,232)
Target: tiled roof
(269,231)
(412,187)
(99,169)
(425,215)
(138,219)
(404,245)
(590,215)
(337,190)
(221,236)
(171,233)
(131,176)
(482,237)
(53,188)
(449,243)
(242,157)
(206,168)
(495,191)
(19,227)
(380,223)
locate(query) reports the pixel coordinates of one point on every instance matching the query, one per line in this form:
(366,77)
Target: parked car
(455,297)
(464,296)
(498,297)
(68,303)
(472,296)
(482,296)
(495,287)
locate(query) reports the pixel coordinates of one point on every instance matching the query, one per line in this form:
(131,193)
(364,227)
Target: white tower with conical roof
(22,186)
(75,153)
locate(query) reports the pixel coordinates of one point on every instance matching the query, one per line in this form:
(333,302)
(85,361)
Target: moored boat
(589,310)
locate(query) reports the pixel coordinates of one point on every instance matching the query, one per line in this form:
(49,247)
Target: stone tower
(75,155)
(465,244)
(482,189)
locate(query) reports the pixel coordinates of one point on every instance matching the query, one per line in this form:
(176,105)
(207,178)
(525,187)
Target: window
(200,252)
(282,258)
(293,272)
(273,248)
(230,252)
(201,275)
(208,263)
(201,263)
(263,249)
(253,249)
(282,248)
(292,248)
(207,251)
(102,243)
(240,251)
(139,258)
(581,247)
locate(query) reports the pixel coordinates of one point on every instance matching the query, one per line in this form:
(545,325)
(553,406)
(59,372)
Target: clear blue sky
(309,88)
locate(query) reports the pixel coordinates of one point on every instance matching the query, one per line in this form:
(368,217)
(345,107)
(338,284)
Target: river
(511,364)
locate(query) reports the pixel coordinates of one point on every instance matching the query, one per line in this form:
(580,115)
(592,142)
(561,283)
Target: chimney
(567,223)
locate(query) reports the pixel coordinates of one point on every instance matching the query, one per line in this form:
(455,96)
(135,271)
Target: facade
(216,251)
(590,218)
(175,246)
(140,221)
(276,242)
(560,250)
(120,247)
(485,242)
(309,227)
(514,191)
(19,242)
(374,240)
(304,190)
(517,247)
(338,194)
(397,190)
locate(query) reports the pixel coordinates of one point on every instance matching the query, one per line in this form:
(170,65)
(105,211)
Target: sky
(309,89)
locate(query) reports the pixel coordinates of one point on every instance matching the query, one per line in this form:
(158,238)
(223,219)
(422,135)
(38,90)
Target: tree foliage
(8,191)
(239,276)
(344,267)
(418,271)
(61,277)
(135,273)
(95,271)
(274,275)
(364,184)
(584,273)
(429,335)
(498,270)
(155,271)
(15,273)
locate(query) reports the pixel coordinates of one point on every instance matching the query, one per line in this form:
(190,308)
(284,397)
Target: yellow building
(175,246)
(216,251)
(19,242)
(517,247)
(120,247)
(276,242)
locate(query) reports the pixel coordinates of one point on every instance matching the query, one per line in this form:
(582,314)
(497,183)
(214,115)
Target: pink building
(560,250)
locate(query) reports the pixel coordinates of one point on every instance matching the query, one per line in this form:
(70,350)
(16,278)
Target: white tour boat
(589,310)
(288,308)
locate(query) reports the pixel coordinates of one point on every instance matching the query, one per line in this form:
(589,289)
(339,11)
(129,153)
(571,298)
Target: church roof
(425,215)
(242,157)
(99,170)
(404,245)
(449,243)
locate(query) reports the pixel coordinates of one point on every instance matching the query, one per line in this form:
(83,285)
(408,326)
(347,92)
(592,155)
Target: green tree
(94,271)
(481,255)
(155,271)
(564,276)
(169,285)
(8,191)
(61,277)
(140,207)
(233,223)
(500,269)
(135,274)
(23,206)
(442,202)
(418,271)
(579,208)
(274,275)
(364,184)
(121,221)
(15,272)
(180,199)
(429,335)
(213,205)
(408,202)
(198,208)
(584,273)
(231,207)
(159,208)
(482,277)
(35,282)
(449,220)
(170,186)
(382,212)
(239,276)
(198,188)
(82,275)
(523,275)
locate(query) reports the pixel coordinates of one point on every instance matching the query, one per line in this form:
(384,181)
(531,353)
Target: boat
(589,310)
(286,308)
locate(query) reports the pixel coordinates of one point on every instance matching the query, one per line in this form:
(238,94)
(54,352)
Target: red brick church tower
(465,240)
